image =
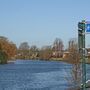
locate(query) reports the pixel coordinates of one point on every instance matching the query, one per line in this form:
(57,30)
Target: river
(35,75)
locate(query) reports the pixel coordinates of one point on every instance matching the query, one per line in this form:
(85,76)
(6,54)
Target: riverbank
(68,61)
(54,59)
(11,61)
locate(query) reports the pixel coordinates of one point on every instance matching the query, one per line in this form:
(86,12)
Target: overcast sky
(39,22)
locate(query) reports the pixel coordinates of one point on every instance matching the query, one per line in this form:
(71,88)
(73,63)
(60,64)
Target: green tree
(3,56)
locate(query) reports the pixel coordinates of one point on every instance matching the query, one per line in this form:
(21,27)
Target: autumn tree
(8,47)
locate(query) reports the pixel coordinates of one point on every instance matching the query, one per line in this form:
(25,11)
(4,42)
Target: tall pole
(83,60)
(81,42)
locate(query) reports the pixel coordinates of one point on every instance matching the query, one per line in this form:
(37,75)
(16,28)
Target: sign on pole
(82,28)
(88,27)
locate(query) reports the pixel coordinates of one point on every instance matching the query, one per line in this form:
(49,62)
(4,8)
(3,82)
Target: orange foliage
(8,47)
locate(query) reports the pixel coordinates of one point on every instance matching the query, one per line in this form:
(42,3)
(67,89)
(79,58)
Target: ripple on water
(34,76)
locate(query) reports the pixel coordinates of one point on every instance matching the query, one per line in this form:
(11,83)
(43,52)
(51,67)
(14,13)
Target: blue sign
(88,27)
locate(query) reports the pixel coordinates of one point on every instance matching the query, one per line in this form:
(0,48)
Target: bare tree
(74,58)
(34,51)
(45,52)
(23,51)
(24,46)
(58,47)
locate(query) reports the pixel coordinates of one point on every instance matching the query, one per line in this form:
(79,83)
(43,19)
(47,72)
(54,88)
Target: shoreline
(51,59)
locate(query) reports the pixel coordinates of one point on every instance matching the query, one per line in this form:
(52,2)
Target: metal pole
(81,43)
(83,59)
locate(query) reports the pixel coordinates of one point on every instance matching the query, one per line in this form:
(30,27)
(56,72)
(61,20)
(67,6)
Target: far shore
(52,59)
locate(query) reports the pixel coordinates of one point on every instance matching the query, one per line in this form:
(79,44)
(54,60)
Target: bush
(3,57)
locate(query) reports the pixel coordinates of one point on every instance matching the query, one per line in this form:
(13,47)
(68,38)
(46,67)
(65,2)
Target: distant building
(65,55)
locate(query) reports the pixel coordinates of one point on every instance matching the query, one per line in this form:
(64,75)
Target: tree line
(45,53)
(9,50)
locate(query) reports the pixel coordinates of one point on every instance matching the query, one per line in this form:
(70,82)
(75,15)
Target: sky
(39,22)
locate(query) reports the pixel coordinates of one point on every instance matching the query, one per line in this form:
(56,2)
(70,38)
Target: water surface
(35,75)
